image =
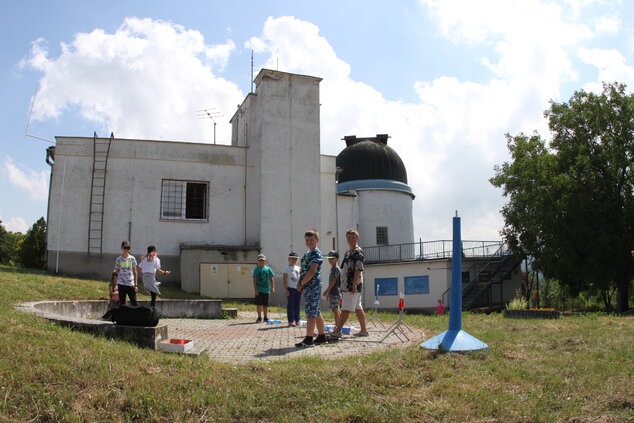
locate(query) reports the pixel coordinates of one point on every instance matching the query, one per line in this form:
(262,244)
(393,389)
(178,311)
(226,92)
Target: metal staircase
(101,151)
(496,270)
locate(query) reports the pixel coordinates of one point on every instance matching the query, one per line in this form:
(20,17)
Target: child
(290,277)
(351,285)
(440,308)
(150,264)
(263,285)
(333,292)
(112,289)
(310,285)
(125,268)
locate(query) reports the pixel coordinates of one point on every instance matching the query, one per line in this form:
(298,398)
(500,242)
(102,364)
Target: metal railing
(429,250)
(502,253)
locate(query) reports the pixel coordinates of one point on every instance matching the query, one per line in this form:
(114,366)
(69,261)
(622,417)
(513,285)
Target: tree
(5,248)
(10,244)
(33,249)
(571,201)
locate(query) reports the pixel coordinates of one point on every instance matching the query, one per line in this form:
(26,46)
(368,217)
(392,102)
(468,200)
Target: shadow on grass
(276,352)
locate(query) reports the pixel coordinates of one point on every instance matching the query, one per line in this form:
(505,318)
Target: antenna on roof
(211,114)
(28,122)
(251,71)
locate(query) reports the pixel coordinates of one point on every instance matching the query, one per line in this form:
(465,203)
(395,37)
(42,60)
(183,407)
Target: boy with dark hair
(125,267)
(310,285)
(263,285)
(333,293)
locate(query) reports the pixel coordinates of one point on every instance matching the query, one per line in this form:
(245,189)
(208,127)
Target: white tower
(372,193)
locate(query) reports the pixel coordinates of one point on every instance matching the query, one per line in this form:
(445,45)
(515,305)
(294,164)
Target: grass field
(576,369)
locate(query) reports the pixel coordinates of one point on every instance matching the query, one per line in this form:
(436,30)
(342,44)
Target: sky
(446,79)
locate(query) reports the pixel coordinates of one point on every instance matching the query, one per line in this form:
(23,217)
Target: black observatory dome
(369,158)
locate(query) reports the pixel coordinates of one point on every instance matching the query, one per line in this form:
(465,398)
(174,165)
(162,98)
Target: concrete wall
(287,131)
(392,209)
(438,271)
(328,226)
(100,268)
(136,169)
(347,218)
(192,255)
(85,316)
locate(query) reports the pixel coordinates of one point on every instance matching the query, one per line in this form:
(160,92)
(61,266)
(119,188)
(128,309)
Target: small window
(385,286)
(381,235)
(416,285)
(183,200)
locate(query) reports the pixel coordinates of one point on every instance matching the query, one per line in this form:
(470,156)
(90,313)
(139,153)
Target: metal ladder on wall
(100,153)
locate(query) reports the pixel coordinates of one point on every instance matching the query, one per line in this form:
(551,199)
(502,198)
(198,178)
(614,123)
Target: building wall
(347,218)
(132,203)
(287,130)
(438,272)
(192,255)
(392,209)
(328,226)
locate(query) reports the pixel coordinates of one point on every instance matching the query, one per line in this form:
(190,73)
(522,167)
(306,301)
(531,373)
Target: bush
(517,303)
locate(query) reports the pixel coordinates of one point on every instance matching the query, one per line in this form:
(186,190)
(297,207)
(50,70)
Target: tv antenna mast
(28,122)
(209,114)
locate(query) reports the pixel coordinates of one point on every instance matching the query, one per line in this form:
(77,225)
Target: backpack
(132,316)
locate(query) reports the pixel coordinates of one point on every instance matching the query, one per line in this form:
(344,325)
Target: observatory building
(211,209)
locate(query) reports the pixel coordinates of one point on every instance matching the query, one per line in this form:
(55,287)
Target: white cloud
(611,66)
(146,80)
(608,25)
(34,183)
(15,224)
(451,138)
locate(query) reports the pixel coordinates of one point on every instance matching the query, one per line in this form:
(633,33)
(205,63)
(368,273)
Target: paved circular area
(242,341)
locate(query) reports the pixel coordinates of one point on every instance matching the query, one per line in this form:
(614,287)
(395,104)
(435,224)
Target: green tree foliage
(571,202)
(4,245)
(10,244)
(33,249)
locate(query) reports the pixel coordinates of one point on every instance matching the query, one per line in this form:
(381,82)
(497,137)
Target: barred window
(184,200)
(381,235)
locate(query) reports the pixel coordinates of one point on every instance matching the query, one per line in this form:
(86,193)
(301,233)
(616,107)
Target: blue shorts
(311,300)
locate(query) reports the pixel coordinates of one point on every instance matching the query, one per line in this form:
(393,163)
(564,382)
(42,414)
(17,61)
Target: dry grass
(578,369)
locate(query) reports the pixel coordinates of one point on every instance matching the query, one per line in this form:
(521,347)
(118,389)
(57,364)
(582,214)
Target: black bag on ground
(132,316)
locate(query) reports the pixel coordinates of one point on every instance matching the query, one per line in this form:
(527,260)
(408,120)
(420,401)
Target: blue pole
(455,339)
(455,310)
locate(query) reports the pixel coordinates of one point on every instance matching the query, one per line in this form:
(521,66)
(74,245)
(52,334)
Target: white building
(211,209)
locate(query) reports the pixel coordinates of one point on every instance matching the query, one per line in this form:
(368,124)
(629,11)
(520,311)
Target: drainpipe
(59,224)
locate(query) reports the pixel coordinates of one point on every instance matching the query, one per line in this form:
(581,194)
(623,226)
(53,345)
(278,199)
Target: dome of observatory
(369,158)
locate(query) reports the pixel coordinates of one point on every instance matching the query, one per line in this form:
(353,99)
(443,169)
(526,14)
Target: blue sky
(446,79)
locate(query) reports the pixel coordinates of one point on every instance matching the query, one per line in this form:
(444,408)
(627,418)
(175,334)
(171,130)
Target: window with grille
(184,200)
(381,235)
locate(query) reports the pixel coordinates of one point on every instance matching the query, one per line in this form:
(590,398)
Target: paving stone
(242,340)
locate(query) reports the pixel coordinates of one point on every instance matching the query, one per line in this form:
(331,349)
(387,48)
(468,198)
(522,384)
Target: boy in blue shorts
(263,285)
(310,285)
